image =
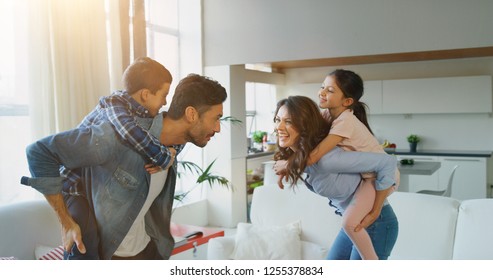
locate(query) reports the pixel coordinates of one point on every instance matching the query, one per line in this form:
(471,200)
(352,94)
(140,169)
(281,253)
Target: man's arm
(70,229)
(122,118)
(74,148)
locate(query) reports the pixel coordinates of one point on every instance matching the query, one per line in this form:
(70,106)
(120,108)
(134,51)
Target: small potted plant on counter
(413,140)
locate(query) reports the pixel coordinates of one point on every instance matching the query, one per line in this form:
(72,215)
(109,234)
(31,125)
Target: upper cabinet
(372,96)
(471,94)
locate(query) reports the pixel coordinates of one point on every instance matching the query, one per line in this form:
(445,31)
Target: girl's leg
(359,207)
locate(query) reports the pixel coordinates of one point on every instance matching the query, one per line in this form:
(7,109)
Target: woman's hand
(280,170)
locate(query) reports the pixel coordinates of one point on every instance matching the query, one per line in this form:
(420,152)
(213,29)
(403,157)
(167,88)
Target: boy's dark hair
(145,73)
(197,91)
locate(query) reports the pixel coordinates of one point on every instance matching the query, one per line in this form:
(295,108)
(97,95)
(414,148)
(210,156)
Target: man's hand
(70,229)
(71,234)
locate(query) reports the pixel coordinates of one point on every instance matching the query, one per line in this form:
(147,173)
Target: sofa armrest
(220,248)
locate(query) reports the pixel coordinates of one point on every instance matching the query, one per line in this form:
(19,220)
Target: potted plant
(258,137)
(413,140)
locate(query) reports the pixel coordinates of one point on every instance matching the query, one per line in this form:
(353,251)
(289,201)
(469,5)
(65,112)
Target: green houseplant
(413,140)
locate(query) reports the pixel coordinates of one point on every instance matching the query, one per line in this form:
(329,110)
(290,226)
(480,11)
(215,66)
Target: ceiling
(384,58)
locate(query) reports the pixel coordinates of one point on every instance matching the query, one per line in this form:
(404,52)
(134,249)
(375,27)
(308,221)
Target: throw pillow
(312,251)
(255,242)
(42,252)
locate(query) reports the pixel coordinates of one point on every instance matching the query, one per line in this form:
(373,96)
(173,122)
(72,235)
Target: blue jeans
(383,233)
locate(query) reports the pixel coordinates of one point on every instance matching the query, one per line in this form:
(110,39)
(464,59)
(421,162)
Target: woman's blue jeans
(383,233)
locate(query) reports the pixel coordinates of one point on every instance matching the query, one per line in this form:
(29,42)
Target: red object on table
(179,230)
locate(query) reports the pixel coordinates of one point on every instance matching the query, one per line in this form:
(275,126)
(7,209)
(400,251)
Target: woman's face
(287,134)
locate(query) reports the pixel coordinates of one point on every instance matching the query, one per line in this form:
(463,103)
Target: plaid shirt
(120,109)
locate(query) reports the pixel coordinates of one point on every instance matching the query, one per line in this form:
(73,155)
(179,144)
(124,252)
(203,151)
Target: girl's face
(286,132)
(331,96)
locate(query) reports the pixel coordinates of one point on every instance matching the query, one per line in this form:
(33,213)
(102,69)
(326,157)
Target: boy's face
(156,101)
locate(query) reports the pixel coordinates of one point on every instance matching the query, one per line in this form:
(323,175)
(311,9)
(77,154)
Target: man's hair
(145,73)
(197,91)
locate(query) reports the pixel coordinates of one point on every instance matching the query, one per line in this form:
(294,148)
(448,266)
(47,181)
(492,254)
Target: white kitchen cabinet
(437,95)
(372,96)
(422,182)
(470,179)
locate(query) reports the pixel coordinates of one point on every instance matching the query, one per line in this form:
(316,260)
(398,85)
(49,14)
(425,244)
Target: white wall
(255,31)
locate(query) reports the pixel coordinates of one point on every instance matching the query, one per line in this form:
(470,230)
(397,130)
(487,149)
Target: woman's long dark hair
(351,86)
(313,128)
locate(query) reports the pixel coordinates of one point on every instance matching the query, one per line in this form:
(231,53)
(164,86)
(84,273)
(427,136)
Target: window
(260,101)
(15,125)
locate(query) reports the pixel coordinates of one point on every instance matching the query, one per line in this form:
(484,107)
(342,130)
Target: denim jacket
(114,177)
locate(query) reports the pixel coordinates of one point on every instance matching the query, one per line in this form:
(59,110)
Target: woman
(300,128)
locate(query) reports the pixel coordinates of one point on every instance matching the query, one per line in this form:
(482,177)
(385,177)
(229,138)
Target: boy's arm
(329,143)
(123,120)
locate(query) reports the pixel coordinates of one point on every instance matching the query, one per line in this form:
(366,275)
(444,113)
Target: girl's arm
(329,143)
(123,120)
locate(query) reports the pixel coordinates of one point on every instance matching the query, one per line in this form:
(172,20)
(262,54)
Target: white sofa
(430,227)
(25,226)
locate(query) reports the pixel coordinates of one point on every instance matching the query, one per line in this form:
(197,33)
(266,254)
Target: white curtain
(68,62)
(54,61)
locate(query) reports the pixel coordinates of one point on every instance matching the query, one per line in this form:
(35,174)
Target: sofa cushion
(312,251)
(256,242)
(274,206)
(474,233)
(25,225)
(426,226)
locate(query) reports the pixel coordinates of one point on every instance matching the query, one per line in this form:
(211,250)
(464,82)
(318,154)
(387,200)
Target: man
(146,85)
(132,208)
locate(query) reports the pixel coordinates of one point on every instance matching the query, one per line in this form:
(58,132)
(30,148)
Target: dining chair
(445,192)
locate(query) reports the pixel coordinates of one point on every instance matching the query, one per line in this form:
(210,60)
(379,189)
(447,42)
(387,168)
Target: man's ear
(191,114)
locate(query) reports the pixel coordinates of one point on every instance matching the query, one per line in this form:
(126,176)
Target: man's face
(208,124)
(156,101)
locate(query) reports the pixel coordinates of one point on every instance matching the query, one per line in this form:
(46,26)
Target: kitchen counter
(259,154)
(447,153)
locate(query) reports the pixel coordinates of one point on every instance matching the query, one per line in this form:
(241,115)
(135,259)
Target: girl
(340,97)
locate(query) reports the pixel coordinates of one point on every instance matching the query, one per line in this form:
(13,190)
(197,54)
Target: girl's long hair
(351,85)
(312,127)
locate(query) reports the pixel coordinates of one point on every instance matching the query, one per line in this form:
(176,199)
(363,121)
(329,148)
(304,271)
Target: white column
(227,208)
